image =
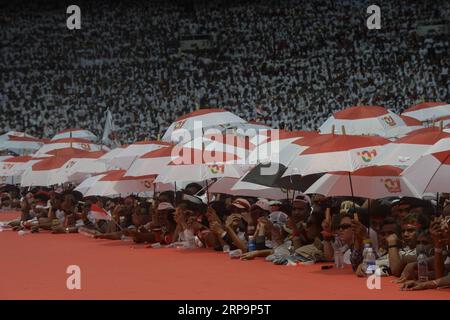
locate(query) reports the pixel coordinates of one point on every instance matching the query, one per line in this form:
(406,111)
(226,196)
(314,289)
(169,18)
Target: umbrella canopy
(431,172)
(408,149)
(20,145)
(411,123)
(58,168)
(428,111)
(152,162)
(193,164)
(203,118)
(366,120)
(76,143)
(115,183)
(12,168)
(127,155)
(339,153)
(372,182)
(7,135)
(75,133)
(226,186)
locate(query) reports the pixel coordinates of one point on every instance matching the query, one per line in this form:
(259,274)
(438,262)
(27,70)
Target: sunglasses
(344,226)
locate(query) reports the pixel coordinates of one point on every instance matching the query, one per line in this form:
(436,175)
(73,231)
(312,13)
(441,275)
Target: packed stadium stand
(289,63)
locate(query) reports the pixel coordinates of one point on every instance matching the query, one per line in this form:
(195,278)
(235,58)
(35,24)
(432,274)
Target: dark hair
(391,220)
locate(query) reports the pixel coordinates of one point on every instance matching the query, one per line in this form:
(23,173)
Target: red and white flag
(99,214)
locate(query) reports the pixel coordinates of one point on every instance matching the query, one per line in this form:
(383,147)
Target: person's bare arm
(328,251)
(257,253)
(438,240)
(395,262)
(235,239)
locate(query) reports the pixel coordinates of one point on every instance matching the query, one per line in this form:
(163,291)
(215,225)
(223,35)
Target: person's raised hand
(359,230)
(217,228)
(211,215)
(392,239)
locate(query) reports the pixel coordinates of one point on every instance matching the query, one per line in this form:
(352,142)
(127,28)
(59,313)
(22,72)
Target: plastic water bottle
(338,249)
(422,267)
(371,264)
(235,254)
(367,245)
(251,243)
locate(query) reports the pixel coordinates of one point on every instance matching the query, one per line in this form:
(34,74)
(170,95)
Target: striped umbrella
(372,182)
(75,133)
(21,145)
(76,143)
(428,111)
(366,120)
(201,119)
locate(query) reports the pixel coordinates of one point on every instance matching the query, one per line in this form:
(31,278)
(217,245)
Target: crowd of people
(288,63)
(305,229)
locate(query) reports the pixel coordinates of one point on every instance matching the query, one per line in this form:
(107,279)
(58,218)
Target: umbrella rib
(431,179)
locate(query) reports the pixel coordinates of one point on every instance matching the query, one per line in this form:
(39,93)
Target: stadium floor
(34,267)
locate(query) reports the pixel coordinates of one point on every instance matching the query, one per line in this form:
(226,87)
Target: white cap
(165,206)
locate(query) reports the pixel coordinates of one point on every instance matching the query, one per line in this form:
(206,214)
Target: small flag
(109,133)
(98,213)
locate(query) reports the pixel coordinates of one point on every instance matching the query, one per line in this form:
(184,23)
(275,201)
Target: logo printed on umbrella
(392,185)
(85,146)
(389,121)
(147,184)
(7,166)
(216,168)
(179,124)
(367,155)
(70,164)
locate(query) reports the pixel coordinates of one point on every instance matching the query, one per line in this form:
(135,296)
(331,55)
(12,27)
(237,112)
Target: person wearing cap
(301,208)
(275,205)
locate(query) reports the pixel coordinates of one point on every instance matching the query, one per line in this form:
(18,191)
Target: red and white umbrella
(431,172)
(6,136)
(76,143)
(428,111)
(226,186)
(408,149)
(130,153)
(115,183)
(57,169)
(201,119)
(193,164)
(444,120)
(153,162)
(411,123)
(12,168)
(374,182)
(366,120)
(75,133)
(20,145)
(339,153)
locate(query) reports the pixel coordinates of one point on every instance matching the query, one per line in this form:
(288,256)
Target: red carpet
(34,267)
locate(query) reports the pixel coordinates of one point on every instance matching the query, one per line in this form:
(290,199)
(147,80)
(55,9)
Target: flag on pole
(109,133)
(98,213)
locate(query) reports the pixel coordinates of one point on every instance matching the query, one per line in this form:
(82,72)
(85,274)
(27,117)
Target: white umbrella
(21,145)
(75,133)
(408,149)
(431,172)
(130,153)
(76,143)
(202,119)
(374,182)
(57,169)
(366,120)
(114,183)
(428,111)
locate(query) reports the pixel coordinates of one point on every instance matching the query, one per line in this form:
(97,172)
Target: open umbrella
(115,183)
(408,149)
(76,143)
(202,119)
(12,168)
(366,120)
(130,153)
(431,172)
(75,133)
(428,111)
(57,168)
(372,182)
(21,145)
